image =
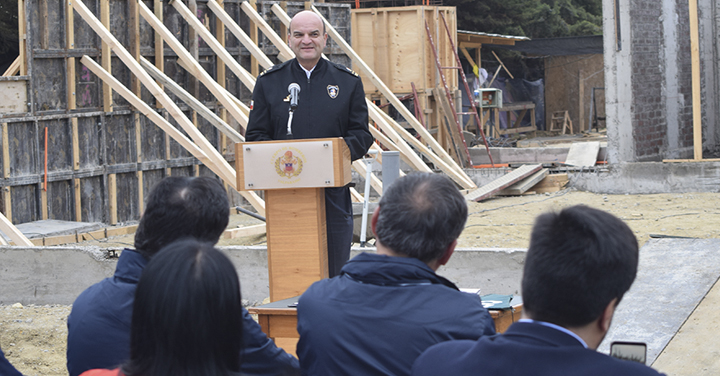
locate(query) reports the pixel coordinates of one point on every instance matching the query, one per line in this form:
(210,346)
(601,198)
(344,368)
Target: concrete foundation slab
(674,275)
(52,227)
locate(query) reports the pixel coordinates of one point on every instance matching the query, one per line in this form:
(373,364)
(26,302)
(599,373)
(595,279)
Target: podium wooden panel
(296,226)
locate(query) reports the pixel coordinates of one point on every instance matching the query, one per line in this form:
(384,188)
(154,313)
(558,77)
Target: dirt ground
(33,337)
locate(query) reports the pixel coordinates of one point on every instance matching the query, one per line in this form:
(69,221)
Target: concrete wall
(648,78)
(57,275)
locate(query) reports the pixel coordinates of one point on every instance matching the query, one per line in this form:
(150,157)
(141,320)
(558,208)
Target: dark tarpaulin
(585,45)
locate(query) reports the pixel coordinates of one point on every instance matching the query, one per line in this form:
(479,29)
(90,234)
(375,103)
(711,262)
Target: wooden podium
(294,175)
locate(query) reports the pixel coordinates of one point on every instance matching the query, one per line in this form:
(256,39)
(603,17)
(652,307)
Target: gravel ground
(33,337)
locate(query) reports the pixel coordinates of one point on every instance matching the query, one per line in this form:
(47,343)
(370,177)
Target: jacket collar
(392,271)
(130,266)
(540,334)
(317,71)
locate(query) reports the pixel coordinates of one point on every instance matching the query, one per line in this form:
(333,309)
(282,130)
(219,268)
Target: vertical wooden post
(696,100)
(283,28)
(22,36)
(43,26)
(6,171)
(106,55)
(112,198)
(72,104)
(254,69)
(134,21)
(581,100)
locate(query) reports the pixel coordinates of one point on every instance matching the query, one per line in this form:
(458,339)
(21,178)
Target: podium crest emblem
(333,91)
(288,165)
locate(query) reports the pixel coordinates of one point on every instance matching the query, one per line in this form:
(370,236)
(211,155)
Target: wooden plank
(450,127)
(503,182)
(409,117)
(5,151)
(118,231)
(254,37)
(159,44)
(583,154)
(524,185)
(13,233)
(696,95)
(106,53)
(7,200)
(553,180)
(240,232)
(195,69)
(220,51)
(59,239)
(112,198)
(375,183)
(78,200)
(13,69)
(691,160)
(22,36)
(283,54)
(195,104)
(92,235)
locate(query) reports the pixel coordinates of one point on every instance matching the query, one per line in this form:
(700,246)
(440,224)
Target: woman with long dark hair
(187,315)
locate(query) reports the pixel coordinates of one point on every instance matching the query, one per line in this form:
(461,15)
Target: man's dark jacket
(526,348)
(331,104)
(99,327)
(381,314)
(6,369)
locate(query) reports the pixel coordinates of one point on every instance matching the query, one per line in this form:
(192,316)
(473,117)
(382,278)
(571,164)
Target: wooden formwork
(394,43)
(102,155)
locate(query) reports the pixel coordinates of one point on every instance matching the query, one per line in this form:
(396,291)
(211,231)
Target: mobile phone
(634,351)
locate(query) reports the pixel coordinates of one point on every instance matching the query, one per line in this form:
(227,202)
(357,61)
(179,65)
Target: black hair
(579,260)
(187,314)
(179,207)
(421,214)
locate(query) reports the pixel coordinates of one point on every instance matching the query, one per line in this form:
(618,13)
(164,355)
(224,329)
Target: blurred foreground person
(187,316)
(99,323)
(580,263)
(386,308)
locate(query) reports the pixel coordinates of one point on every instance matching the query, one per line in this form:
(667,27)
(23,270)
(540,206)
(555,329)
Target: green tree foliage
(530,18)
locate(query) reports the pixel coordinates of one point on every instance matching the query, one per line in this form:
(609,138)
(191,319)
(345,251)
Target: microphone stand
(289,134)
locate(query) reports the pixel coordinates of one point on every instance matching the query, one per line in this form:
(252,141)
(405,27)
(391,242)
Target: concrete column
(618,81)
(671,91)
(709,11)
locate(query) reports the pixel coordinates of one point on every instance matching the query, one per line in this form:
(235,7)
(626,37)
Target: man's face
(307,38)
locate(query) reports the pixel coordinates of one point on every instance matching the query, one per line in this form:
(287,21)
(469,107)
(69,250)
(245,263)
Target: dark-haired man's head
(182,207)
(187,314)
(580,263)
(421,216)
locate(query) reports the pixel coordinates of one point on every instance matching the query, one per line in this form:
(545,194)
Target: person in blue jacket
(99,323)
(387,308)
(580,263)
(7,369)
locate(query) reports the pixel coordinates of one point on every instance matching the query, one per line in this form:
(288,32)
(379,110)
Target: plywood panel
(13,97)
(153,141)
(23,149)
(127,197)
(90,145)
(49,84)
(60,200)
(86,87)
(120,139)
(92,196)
(59,144)
(25,204)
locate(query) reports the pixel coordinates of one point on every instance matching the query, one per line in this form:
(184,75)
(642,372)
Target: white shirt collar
(557,327)
(307,72)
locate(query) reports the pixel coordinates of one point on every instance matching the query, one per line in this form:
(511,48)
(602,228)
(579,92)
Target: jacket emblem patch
(333,91)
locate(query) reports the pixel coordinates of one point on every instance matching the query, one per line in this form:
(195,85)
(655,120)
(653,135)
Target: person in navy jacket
(7,369)
(580,263)
(331,104)
(99,323)
(387,308)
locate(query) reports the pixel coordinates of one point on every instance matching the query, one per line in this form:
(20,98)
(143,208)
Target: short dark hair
(579,260)
(180,207)
(420,215)
(187,314)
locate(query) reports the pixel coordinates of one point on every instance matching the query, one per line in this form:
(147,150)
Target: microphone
(294,90)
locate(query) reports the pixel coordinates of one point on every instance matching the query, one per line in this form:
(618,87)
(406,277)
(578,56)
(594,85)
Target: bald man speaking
(328,101)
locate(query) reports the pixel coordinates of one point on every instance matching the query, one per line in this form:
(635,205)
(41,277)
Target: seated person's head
(580,263)
(180,207)
(421,215)
(187,315)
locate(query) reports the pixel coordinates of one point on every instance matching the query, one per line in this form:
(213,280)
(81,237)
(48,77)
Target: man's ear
(374,219)
(607,315)
(448,252)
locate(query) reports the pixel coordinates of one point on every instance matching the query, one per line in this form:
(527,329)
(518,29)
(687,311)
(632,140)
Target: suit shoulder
(274,68)
(343,68)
